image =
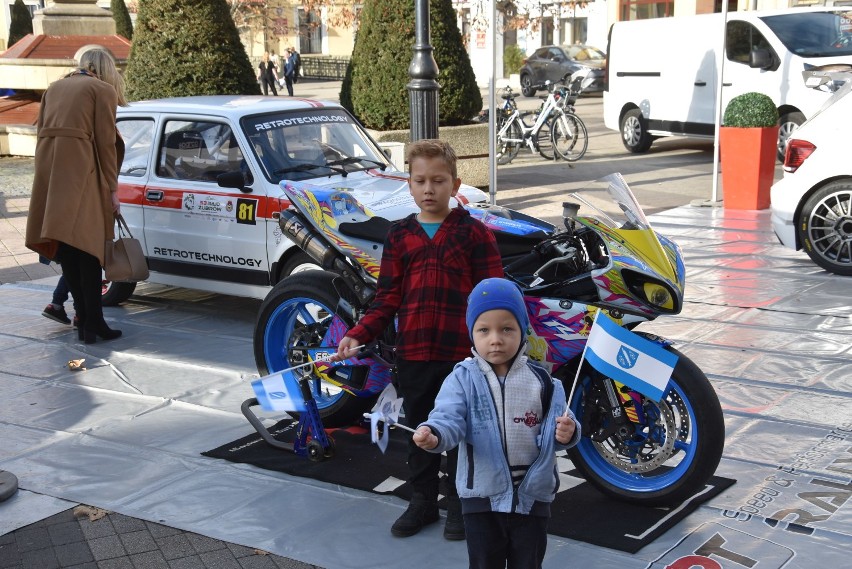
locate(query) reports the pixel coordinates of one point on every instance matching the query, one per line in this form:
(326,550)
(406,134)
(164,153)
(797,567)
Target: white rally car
(812,203)
(199,185)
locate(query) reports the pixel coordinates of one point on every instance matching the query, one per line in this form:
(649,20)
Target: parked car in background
(556,63)
(200,185)
(812,203)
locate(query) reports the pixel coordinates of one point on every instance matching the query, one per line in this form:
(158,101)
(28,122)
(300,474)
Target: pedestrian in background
(290,70)
(74,201)
(266,74)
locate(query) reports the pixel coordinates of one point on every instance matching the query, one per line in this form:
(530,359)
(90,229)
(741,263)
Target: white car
(199,185)
(812,203)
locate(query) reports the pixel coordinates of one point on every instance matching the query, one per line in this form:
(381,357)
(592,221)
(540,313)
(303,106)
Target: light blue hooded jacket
(465,416)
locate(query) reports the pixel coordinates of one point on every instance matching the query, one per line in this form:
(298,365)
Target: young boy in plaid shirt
(430,264)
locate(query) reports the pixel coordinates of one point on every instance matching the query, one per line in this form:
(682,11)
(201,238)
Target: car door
(137,132)
(193,227)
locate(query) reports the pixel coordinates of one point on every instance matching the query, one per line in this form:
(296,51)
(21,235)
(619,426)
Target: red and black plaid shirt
(426,282)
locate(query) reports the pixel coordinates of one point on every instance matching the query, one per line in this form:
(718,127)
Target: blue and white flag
(279,391)
(629,358)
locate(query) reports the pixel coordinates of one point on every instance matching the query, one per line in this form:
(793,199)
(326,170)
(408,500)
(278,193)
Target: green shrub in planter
(513,59)
(751,110)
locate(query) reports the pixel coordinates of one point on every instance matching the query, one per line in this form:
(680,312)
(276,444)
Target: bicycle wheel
(544,140)
(508,144)
(570,137)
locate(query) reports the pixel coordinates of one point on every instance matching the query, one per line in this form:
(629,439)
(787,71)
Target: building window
(645,9)
(310,36)
(573,30)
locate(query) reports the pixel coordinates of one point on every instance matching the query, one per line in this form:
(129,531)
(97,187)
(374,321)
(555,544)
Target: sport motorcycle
(633,447)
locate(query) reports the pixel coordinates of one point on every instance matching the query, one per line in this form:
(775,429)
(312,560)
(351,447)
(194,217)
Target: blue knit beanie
(495,294)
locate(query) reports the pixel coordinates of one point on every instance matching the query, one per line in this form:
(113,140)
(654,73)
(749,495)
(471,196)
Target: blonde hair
(433,148)
(100,62)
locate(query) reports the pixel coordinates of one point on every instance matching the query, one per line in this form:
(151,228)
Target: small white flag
(629,358)
(386,410)
(279,391)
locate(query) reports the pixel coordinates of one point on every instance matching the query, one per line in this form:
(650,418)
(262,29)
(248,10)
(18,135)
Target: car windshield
(814,34)
(584,52)
(310,143)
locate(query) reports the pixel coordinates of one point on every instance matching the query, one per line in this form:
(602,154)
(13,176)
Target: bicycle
(569,135)
(553,132)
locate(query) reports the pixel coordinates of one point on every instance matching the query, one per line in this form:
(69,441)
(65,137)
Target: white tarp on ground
(771,330)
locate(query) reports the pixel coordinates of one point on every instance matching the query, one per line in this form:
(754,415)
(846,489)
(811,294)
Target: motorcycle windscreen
(647,247)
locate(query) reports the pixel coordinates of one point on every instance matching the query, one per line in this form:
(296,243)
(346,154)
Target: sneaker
(57,314)
(420,513)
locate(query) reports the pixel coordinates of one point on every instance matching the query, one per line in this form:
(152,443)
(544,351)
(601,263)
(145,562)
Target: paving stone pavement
(114,541)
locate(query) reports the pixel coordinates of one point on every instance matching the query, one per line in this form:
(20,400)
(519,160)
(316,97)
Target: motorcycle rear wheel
(298,312)
(677,458)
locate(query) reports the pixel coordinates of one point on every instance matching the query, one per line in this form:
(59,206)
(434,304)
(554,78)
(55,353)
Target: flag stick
(312,362)
(393,423)
(580,365)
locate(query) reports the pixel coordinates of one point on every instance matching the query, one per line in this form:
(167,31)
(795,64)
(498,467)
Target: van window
(741,38)
(814,34)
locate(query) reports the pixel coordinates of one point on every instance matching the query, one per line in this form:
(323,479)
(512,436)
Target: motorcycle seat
(511,245)
(374,229)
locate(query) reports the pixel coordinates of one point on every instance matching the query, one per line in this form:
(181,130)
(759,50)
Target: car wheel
(634,132)
(786,125)
(113,293)
(297,263)
(527,86)
(825,227)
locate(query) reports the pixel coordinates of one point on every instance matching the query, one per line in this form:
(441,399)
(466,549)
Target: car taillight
(796,154)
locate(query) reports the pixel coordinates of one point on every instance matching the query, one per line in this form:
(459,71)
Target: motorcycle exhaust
(308,240)
(320,250)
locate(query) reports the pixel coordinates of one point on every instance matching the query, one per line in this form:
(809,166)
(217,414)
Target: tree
(22,22)
(187,47)
(123,25)
(375,86)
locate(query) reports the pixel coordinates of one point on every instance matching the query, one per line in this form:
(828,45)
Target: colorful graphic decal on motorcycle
(557,335)
(378,377)
(221,208)
(504,224)
(329,208)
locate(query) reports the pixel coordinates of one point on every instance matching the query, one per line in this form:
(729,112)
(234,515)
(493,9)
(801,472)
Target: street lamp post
(423,72)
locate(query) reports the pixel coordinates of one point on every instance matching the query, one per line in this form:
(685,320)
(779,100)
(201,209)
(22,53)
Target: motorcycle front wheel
(662,460)
(298,312)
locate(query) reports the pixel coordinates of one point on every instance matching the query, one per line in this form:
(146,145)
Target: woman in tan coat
(73,201)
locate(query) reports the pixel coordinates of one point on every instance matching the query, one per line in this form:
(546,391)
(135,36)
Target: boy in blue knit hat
(508,417)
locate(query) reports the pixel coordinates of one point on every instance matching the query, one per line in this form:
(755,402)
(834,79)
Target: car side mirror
(235,179)
(759,59)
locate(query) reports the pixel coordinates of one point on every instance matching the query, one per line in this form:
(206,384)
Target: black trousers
(288,81)
(268,83)
(513,541)
(83,276)
(419,383)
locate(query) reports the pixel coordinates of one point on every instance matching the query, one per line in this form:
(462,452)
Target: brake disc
(655,457)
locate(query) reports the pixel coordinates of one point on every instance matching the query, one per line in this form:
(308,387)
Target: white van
(662,73)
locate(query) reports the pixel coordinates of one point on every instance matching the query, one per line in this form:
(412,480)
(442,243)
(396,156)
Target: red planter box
(748,166)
